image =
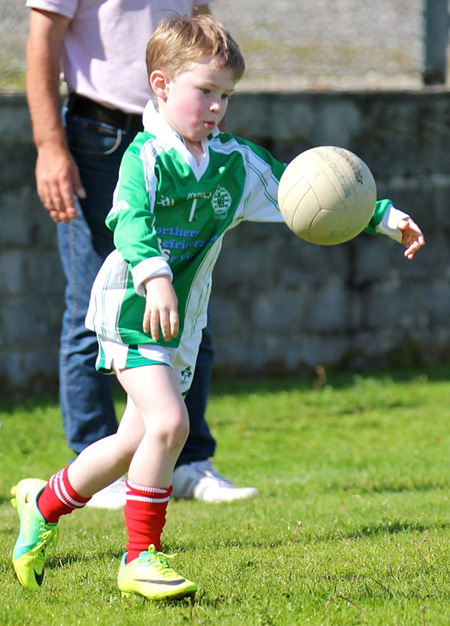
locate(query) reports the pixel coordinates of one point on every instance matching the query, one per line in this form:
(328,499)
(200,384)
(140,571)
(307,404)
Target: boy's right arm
(57,176)
(161,308)
(132,221)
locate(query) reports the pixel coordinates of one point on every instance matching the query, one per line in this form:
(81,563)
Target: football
(327,195)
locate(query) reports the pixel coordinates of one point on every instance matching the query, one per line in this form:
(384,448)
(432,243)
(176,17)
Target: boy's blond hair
(179,41)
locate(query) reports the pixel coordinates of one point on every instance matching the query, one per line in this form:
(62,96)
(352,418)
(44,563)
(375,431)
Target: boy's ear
(158,83)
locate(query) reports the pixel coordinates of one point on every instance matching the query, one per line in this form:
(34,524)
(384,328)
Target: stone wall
(279,305)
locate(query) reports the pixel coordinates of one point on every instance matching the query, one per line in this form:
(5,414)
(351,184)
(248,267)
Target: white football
(327,195)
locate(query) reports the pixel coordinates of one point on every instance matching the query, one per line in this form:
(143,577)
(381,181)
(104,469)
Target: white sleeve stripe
(149,268)
(389,224)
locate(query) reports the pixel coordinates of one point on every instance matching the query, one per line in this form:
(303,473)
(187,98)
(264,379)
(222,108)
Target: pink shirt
(103,53)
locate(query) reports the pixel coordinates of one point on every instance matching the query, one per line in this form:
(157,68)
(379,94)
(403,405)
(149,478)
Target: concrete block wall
(31,280)
(361,304)
(279,305)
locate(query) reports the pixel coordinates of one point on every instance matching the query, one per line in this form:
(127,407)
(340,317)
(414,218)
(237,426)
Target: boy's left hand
(412,237)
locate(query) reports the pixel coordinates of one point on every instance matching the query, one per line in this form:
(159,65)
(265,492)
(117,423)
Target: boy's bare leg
(150,436)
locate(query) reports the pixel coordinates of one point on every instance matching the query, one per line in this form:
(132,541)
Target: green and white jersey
(169,216)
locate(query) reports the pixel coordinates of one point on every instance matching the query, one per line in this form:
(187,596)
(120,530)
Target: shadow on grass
(334,378)
(241,385)
(68,558)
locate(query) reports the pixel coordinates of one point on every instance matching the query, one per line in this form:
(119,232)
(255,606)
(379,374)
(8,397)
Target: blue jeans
(85,394)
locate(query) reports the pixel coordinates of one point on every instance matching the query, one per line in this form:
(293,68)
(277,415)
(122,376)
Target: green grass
(352,526)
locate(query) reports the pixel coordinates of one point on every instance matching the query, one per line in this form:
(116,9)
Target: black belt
(79,105)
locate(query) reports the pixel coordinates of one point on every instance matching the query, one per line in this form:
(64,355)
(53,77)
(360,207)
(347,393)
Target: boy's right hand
(161,309)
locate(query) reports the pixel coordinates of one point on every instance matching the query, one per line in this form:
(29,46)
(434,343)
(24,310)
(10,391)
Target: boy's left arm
(412,236)
(398,225)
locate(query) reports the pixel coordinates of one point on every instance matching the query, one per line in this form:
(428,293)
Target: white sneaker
(112,497)
(200,481)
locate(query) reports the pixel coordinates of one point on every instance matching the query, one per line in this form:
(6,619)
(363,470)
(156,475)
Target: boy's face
(197,99)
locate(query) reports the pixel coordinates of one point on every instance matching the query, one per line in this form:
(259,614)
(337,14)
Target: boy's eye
(206,92)
(225,96)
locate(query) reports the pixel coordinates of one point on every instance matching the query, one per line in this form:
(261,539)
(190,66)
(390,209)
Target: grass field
(352,525)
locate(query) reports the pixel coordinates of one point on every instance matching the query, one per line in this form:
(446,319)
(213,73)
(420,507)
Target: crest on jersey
(221,202)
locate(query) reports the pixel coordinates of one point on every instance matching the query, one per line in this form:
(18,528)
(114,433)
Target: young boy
(181,186)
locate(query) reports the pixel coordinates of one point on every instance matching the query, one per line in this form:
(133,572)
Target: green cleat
(151,576)
(35,535)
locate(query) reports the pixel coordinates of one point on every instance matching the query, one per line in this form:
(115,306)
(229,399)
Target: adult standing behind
(101,46)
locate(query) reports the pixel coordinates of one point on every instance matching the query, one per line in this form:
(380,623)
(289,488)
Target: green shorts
(114,356)
(118,356)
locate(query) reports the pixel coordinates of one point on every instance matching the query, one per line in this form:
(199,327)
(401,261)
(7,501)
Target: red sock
(145,516)
(59,498)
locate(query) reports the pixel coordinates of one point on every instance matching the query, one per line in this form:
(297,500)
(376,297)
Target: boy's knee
(178,431)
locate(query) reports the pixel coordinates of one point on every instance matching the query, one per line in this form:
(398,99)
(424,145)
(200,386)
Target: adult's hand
(57,177)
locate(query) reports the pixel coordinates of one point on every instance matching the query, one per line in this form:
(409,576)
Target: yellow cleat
(151,576)
(35,534)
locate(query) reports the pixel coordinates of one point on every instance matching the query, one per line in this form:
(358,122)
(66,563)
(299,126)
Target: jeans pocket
(87,136)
